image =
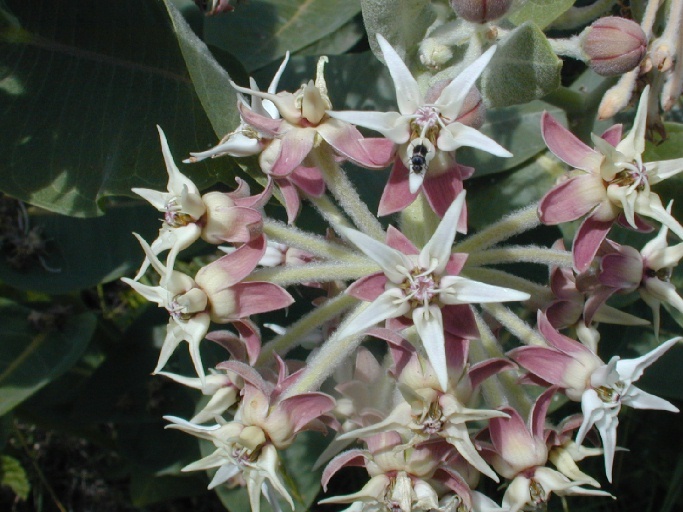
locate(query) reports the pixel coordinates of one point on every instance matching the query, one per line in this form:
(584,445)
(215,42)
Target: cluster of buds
(447,405)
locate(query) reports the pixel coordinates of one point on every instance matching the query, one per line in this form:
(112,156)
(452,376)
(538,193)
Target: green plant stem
(502,388)
(306,324)
(318,272)
(329,211)
(509,226)
(519,254)
(333,352)
(513,323)
(418,221)
(316,245)
(344,192)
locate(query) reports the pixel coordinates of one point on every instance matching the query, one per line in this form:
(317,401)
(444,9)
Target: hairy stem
(318,272)
(518,254)
(305,325)
(513,323)
(509,226)
(345,193)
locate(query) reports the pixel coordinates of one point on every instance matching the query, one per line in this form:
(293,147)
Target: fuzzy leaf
(261,32)
(540,12)
(402,22)
(523,69)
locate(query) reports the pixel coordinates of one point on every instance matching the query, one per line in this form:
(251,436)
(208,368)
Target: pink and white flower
(420,287)
(428,133)
(611,181)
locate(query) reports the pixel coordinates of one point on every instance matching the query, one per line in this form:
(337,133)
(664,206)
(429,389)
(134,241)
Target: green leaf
(541,12)
(82,90)
(491,198)
(148,488)
(338,42)
(517,129)
(402,22)
(81,253)
(12,475)
(524,68)
(31,358)
(210,80)
(261,32)
(669,149)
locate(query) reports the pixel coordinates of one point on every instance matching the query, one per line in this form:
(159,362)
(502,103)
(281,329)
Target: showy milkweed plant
(435,243)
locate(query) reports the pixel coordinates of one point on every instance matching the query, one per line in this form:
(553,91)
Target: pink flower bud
(614,45)
(480,11)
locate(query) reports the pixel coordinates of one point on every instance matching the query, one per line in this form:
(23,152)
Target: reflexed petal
(368,288)
(632,369)
(392,125)
(387,258)
(460,290)
(438,249)
(396,195)
(451,98)
(442,189)
(567,147)
(429,326)
(664,169)
(408,94)
(457,135)
(309,180)
(587,240)
(633,144)
(388,305)
(571,199)
(253,298)
(296,145)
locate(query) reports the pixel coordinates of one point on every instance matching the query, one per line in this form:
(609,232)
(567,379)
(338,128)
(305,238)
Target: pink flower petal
(349,458)
(571,199)
(244,225)
(459,321)
(266,125)
(567,147)
(291,198)
(257,201)
(296,145)
(546,363)
(613,134)
(642,225)
(555,339)
(563,313)
(456,352)
(595,302)
(539,411)
(346,141)
(504,430)
(381,150)
(249,374)
(396,195)
(256,297)
(301,409)
(482,371)
(441,190)
(587,240)
(309,180)
(622,270)
(455,264)
(368,288)
(232,268)
(400,242)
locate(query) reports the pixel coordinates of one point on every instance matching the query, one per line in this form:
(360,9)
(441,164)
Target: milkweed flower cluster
(438,407)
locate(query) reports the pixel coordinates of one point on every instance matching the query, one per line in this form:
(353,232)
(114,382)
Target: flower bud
(480,11)
(614,45)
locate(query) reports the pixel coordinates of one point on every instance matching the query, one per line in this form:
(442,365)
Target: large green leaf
(517,129)
(669,149)
(83,87)
(261,32)
(524,68)
(402,22)
(31,355)
(541,12)
(81,253)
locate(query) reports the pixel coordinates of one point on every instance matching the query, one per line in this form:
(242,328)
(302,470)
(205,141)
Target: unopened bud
(480,11)
(614,45)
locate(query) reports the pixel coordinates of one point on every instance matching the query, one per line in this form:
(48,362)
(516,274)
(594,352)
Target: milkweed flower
(601,388)
(611,182)
(427,132)
(216,217)
(417,285)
